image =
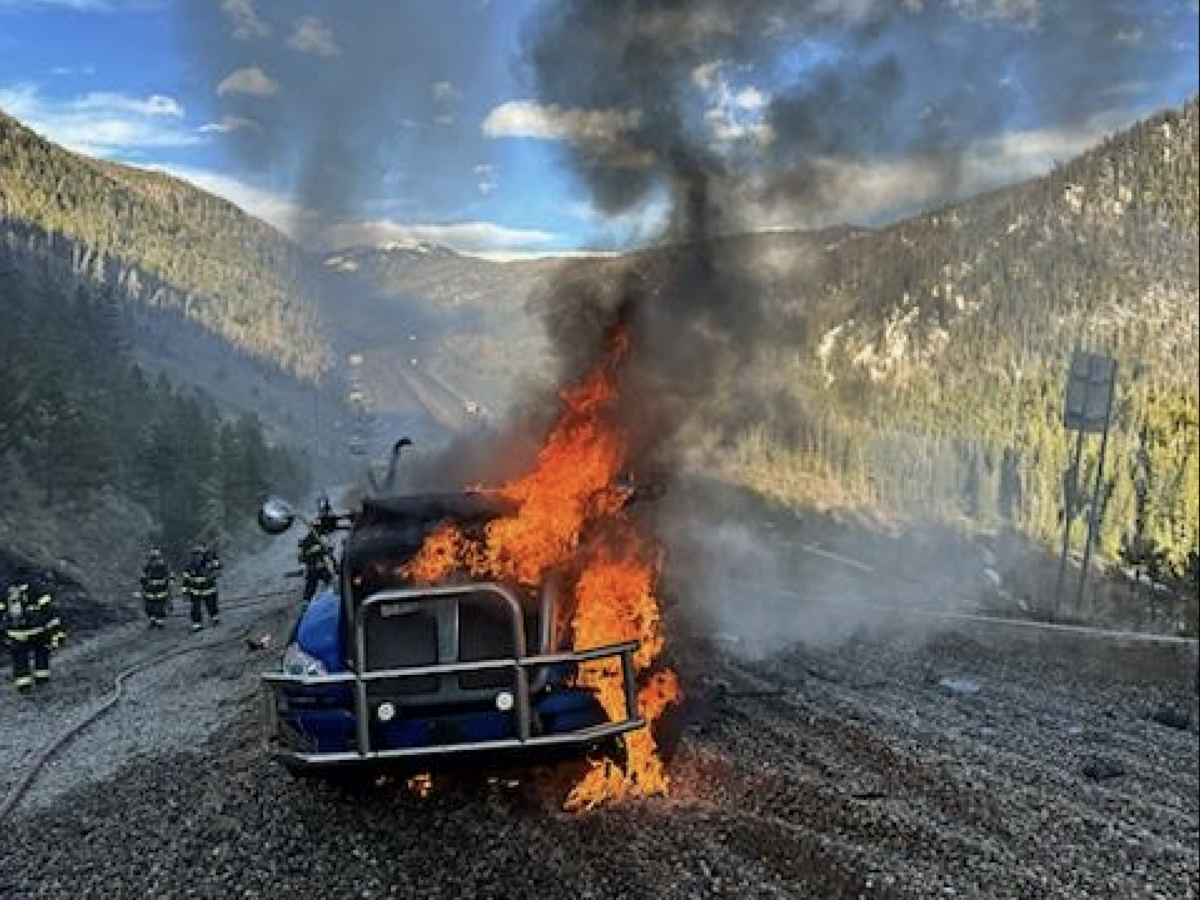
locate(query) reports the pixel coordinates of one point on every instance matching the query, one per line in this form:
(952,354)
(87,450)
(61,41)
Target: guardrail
(360,678)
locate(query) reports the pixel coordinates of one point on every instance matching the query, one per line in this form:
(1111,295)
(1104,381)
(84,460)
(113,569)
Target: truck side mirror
(275,516)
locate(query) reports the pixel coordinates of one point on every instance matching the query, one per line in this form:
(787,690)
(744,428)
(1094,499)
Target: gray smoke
(347,100)
(758,577)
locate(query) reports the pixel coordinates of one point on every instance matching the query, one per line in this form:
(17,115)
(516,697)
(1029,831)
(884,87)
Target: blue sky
(474,159)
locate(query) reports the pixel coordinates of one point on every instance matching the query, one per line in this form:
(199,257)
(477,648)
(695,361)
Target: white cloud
(636,227)
(101,123)
(290,217)
(519,255)
(311,35)
(1132,35)
(244,19)
(750,99)
(599,129)
(1023,154)
(486,179)
(445,92)
(1022,13)
(467,237)
(89,6)
(274,208)
(704,76)
(67,71)
(251,81)
(108,101)
(865,192)
(734,116)
(227,124)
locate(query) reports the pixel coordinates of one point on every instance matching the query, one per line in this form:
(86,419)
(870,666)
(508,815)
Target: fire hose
(19,789)
(239,601)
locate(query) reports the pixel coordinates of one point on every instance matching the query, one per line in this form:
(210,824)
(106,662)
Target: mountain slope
(928,358)
(1103,251)
(160,242)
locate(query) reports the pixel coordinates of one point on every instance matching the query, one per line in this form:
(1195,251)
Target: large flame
(574,493)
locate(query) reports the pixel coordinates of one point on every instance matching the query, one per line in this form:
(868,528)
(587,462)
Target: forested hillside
(161,243)
(930,357)
(78,418)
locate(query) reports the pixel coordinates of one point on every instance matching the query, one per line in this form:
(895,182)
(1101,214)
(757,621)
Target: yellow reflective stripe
(44,600)
(23,634)
(42,674)
(23,681)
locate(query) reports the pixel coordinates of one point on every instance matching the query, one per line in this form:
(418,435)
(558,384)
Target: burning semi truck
(513,624)
(381,668)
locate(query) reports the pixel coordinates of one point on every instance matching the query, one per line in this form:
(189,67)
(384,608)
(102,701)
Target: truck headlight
(297,662)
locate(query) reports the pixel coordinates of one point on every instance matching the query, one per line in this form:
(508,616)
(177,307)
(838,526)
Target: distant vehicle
(355,359)
(383,672)
(471,407)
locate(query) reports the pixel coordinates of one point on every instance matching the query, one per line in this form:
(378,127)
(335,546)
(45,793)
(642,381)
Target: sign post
(1087,409)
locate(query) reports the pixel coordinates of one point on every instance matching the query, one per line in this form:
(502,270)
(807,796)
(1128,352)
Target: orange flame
(574,489)
(441,553)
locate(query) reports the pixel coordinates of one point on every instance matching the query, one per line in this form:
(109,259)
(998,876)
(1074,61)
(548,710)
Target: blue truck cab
(381,672)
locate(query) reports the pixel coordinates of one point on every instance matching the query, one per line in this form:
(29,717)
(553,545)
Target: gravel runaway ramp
(949,769)
(958,771)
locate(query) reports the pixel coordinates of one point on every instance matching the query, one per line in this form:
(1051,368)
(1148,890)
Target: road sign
(1089,392)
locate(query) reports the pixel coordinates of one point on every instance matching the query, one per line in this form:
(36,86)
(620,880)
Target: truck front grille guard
(361,677)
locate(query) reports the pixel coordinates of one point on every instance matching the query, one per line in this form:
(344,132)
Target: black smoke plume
(862,83)
(841,88)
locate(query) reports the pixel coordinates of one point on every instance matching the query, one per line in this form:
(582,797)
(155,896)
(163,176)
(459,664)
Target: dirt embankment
(94,550)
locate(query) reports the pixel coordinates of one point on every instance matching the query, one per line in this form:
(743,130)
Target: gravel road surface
(953,768)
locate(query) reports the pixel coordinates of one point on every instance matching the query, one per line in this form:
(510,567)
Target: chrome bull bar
(360,678)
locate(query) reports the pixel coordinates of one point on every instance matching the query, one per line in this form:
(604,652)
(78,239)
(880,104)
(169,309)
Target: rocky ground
(953,766)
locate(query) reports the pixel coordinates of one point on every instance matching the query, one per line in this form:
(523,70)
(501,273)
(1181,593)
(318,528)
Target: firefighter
(156,587)
(315,556)
(200,584)
(211,558)
(326,521)
(32,628)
